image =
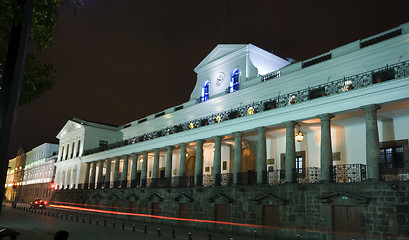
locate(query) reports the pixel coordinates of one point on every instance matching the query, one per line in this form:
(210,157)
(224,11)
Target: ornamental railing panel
(226,179)
(395,174)
(308,175)
(347,173)
(207,180)
(276,177)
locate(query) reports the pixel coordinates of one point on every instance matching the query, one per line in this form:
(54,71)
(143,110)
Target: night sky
(121,60)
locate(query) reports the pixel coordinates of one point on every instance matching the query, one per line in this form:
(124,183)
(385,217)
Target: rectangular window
(384,75)
(299,164)
(103,145)
(224,165)
(68,148)
(62,153)
(78,147)
(316,93)
(391,157)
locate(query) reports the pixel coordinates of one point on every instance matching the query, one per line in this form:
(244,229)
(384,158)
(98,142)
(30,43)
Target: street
(36,226)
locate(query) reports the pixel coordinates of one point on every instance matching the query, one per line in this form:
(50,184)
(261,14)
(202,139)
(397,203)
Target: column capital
(169,147)
(217,138)
(261,129)
(370,108)
(238,134)
(200,141)
(290,123)
(325,116)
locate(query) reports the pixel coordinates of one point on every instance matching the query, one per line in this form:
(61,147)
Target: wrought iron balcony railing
(339,86)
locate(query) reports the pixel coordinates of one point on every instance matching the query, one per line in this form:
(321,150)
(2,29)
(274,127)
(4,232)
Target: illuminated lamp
(250,111)
(299,136)
(191,125)
(347,85)
(292,100)
(218,118)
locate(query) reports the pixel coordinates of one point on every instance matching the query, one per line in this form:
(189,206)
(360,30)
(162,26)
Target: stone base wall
(365,210)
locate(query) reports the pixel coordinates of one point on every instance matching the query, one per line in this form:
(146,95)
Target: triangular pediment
(220,198)
(344,198)
(219,52)
(113,197)
(132,197)
(155,198)
(269,199)
(183,198)
(70,126)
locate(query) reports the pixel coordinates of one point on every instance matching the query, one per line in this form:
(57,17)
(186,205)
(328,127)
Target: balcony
(350,83)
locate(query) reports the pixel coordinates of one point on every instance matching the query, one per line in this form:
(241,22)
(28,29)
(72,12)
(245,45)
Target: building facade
(31,174)
(262,140)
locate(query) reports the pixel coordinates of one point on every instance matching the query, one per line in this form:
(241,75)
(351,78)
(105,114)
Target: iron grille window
(391,157)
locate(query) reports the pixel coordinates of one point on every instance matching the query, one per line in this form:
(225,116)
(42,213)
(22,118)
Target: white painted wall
(355,145)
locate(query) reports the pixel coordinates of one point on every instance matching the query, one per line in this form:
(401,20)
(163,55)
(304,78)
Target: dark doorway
(221,214)
(271,219)
(346,222)
(132,207)
(184,212)
(155,208)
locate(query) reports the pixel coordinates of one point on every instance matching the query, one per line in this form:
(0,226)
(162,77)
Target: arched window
(205,91)
(234,81)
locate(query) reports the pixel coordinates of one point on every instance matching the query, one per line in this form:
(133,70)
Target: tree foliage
(38,76)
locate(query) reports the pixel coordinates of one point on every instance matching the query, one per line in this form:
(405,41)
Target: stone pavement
(36,226)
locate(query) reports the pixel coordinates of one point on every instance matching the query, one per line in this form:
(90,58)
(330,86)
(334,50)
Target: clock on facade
(219,79)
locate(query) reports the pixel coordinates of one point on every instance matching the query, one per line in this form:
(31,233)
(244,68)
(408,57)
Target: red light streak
(159,217)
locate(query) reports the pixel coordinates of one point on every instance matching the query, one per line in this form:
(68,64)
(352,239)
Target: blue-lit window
(205,91)
(234,81)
